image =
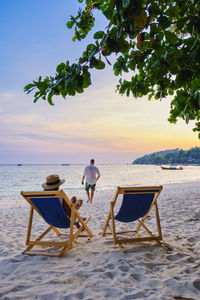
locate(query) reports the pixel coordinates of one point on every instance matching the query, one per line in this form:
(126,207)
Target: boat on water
(19,165)
(172,168)
(65,165)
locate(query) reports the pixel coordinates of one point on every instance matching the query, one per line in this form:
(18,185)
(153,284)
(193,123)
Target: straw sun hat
(52,182)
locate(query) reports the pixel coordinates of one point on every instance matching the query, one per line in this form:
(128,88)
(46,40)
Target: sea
(14,179)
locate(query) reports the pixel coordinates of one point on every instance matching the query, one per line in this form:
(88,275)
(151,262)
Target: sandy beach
(95,268)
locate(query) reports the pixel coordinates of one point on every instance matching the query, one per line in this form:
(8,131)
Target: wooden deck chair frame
(151,236)
(65,245)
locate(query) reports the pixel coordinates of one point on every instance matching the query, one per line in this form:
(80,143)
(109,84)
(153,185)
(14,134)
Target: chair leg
(29,226)
(106,224)
(56,231)
(65,249)
(158,221)
(146,228)
(71,237)
(113,222)
(84,226)
(81,229)
(121,248)
(109,215)
(38,239)
(71,225)
(143,219)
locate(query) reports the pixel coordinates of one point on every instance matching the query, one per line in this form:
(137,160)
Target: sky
(99,123)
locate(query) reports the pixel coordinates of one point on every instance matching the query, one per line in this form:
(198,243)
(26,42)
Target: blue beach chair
(47,204)
(136,205)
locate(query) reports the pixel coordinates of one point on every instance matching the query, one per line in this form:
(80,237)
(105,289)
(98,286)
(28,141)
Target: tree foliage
(175,156)
(156,42)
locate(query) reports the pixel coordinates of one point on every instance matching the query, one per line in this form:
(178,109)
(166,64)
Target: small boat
(19,165)
(172,168)
(65,165)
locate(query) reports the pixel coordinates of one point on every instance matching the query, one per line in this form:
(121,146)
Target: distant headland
(174,156)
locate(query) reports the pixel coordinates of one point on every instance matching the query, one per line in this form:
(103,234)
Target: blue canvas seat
(136,205)
(52,211)
(48,206)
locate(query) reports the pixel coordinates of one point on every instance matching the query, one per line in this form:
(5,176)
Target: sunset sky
(98,124)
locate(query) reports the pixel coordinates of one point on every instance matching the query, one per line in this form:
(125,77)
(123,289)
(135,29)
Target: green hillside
(174,156)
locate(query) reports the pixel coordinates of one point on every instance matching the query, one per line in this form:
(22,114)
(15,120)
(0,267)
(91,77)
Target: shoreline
(107,190)
(96,268)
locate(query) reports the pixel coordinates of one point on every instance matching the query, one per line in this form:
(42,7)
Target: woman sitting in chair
(53,183)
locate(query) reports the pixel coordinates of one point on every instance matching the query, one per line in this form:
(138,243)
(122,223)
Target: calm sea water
(14,178)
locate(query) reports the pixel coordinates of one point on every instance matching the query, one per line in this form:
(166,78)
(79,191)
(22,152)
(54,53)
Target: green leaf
(79,79)
(128,92)
(149,97)
(141,20)
(29,86)
(155,64)
(172,11)
(170,37)
(37,96)
(60,67)
(195,83)
(107,10)
(56,84)
(49,98)
(113,45)
(79,90)
(98,35)
(70,24)
(125,3)
(99,64)
(154,9)
(164,22)
(86,80)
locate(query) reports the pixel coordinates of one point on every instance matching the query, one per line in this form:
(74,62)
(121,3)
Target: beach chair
(137,204)
(47,204)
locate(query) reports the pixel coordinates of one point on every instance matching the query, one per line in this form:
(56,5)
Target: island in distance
(171,157)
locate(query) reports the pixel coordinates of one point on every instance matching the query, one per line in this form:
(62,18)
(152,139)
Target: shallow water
(14,178)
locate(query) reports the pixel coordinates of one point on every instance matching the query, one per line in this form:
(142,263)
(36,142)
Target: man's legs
(88,195)
(92,194)
(87,188)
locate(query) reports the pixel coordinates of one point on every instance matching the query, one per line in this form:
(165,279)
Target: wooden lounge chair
(136,205)
(47,204)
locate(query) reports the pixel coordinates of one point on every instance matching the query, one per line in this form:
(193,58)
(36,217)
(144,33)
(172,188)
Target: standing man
(92,174)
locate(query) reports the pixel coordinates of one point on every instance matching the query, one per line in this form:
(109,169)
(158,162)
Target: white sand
(96,268)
